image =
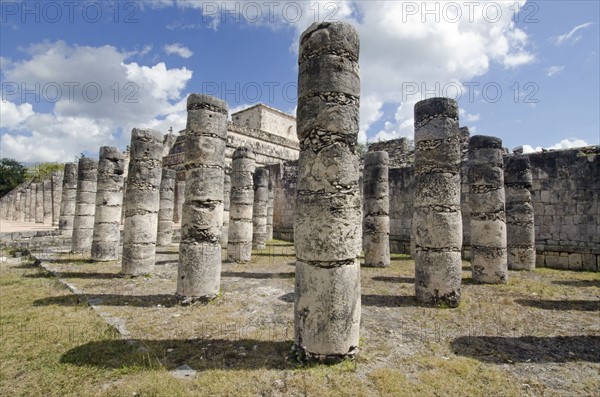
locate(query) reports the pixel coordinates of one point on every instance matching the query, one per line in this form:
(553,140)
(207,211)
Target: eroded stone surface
(85,206)
(328,216)
(437,223)
(199,271)
(67,203)
(167,205)
(109,191)
(376,223)
(259,211)
(239,245)
(487,203)
(142,202)
(226,202)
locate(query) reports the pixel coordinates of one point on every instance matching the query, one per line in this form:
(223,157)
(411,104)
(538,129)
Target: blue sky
(79,75)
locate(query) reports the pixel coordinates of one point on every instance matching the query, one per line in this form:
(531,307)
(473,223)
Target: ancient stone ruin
(199,272)
(142,200)
(85,206)
(167,204)
(327,226)
(376,223)
(260,209)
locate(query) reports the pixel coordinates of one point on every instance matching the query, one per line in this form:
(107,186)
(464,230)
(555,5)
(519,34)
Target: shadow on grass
(394,279)
(258,275)
(111,300)
(557,349)
(580,305)
(371,300)
(69,260)
(578,283)
(199,354)
(167,262)
(90,275)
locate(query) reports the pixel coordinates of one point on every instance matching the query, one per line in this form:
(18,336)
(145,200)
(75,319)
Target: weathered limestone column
(107,221)
(239,244)
(33,202)
(24,205)
(488,220)
(142,202)
(27,212)
(328,215)
(125,175)
(39,202)
(67,202)
(520,230)
(57,179)
(376,223)
(199,272)
(179,199)
(165,213)
(85,206)
(226,200)
(259,211)
(48,201)
(270,210)
(437,223)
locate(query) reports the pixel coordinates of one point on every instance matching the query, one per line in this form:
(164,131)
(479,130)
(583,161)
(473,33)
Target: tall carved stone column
(239,245)
(488,219)
(259,211)
(57,179)
(17,205)
(376,223)
(520,230)
(142,202)
(226,202)
(27,212)
(33,202)
(270,210)
(67,202)
(328,220)
(437,223)
(107,222)
(165,212)
(48,200)
(199,272)
(85,206)
(179,199)
(39,202)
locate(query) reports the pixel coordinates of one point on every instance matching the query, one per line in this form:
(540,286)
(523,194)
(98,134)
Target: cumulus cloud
(568,143)
(572,36)
(85,97)
(178,49)
(552,70)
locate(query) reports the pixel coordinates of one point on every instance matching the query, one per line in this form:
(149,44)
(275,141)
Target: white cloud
(12,116)
(101,98)
(572,37)
(467,117)
(568,143)
(552,70)
(178,49)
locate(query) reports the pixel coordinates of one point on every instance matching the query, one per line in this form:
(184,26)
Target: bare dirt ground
(538,335)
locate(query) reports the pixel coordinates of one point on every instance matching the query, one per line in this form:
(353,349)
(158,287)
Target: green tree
(12,174)
(42,171)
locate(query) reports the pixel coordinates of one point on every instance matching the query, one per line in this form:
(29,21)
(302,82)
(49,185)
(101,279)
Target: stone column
(125,175)
(199,272)
(239,244)
(165,213)
(486,200)
(67,202)
(85,206)
(179,199)
(39,203)
(17,205)
(270,210)
(520,230)
(328,215)
(48,200)
(57,178)
(226,201)
(107,221)
(142,202)
(259,211)
(27,204)
(33,202)
(437,223)
(23,204)
(376,223)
